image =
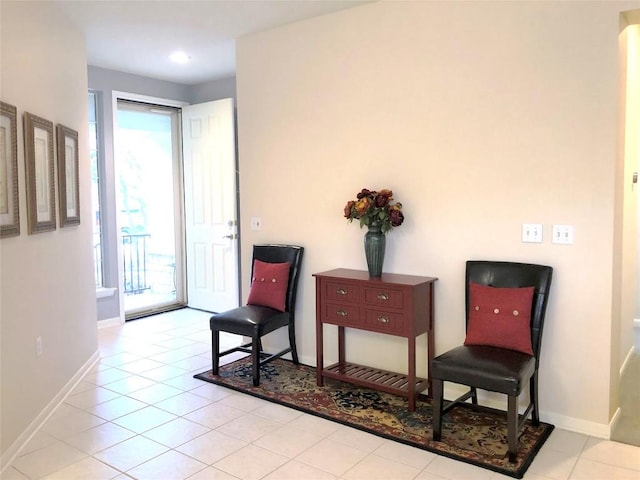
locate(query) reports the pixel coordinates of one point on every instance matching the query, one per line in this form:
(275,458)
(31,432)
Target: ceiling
(138,36)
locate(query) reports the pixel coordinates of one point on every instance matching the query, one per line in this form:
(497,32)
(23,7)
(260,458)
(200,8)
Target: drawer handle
(341,313)
(341,291)
(383,319)
(383,296)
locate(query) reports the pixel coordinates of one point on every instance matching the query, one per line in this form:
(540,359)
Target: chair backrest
(272,253)
(513,275)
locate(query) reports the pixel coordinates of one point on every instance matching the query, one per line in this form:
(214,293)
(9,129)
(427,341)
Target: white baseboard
(14,449)
(109,322)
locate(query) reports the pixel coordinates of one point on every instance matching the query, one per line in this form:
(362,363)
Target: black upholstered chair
(494,368)
(255,320)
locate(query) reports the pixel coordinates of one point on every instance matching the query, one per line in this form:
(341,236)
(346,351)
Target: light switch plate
(532,232)
(562,234)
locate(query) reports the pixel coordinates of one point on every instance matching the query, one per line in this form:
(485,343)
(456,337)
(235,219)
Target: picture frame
(9,200)
(39,171)
(68,178)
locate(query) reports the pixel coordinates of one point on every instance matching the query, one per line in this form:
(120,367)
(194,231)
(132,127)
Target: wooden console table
(400,305)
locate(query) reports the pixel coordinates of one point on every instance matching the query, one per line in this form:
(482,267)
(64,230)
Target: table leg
(341,354)
(412,374)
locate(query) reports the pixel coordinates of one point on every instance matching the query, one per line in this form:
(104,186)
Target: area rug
(472,435)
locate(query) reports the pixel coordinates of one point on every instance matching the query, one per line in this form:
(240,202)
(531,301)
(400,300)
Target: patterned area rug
(476,436)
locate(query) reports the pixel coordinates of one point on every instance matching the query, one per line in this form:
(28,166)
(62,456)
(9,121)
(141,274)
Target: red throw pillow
(500,317)
(269,285)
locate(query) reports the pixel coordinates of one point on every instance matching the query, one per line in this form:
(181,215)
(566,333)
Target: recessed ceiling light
(179,57)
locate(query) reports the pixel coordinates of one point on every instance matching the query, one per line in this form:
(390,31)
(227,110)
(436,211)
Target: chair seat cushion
(249,320)
(489,368)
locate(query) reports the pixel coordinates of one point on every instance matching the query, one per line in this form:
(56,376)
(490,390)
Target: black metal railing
(135,257)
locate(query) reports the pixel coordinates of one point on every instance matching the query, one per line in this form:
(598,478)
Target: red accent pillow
(269,285)
(500,317)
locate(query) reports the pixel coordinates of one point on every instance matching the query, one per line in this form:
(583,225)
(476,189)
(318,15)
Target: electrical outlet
(256,223)
(38,346)
(562,234)
(532,232)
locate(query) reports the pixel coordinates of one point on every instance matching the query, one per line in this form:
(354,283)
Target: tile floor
(140,414)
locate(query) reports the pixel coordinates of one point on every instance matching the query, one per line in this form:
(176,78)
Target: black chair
(494,368)
(256,321)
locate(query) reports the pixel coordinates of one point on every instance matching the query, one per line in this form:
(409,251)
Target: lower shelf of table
(390,382)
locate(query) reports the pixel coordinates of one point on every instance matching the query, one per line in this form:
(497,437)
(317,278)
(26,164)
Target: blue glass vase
(375,243)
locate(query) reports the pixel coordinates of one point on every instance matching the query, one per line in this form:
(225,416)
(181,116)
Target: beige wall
(47,286)
(481,116)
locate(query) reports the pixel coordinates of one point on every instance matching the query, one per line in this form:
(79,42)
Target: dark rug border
(519,473)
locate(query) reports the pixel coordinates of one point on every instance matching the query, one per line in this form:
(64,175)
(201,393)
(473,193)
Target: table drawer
(385,322)
(384,297)
(341,314)
(341,292)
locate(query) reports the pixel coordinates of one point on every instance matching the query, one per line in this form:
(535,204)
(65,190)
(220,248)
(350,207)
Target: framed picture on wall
(9,205)
(38,157)
(68,180)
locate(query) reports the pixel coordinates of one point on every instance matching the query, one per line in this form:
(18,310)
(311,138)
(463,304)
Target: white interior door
(211,205)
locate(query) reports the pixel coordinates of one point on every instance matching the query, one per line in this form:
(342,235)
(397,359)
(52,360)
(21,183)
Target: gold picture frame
(9,200)
(68,179)
(39,170)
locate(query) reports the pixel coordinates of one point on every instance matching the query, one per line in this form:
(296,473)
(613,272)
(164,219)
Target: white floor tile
(171,465)
(452,469)
(586,469)
(297,471)
(130,453)
(176,432)
(48,460)
(214,415)
(553,464)
(145,419)
(613,453)
(330,456)
(288,440)
(414,457)
(211,473)
(249,427)
(183,403)
(250,463)
(84,469)
(100,437)
(155,393)
(117,407)
(211,447)
(378,468)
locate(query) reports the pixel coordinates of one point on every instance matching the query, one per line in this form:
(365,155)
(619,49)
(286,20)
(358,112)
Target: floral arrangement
(374,209)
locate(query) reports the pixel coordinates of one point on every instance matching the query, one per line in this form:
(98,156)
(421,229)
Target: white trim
(627,359)
(102,292)
(144,98)
(636,334)
(14,449)
(613,424)
(110,322)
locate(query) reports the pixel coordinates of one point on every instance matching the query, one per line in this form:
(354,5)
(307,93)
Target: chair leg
(512,427)
(215,351)
(436,407)
(474,396)
(255,354)
(533,393)
(292,342)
